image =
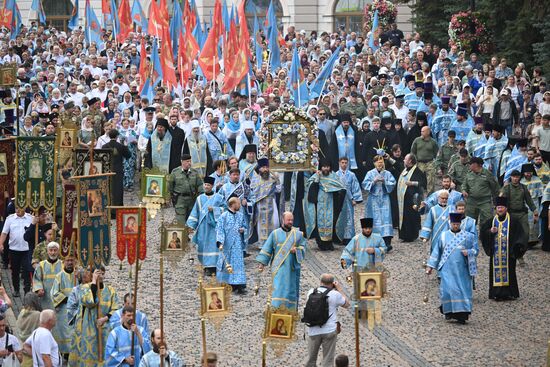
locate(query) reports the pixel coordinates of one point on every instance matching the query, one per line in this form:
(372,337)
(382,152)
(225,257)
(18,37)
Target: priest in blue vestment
(379,183)
(159,351)
(462,123)
(468,223)
(442,120)
(140,318)
(437,220)
(365,249)
(118,351)
(161,153)
(230,231)
(344,143)
(202,219)
(353,197)
(454,257)
(284,250)
(218,145)
(496,144)
(324,197)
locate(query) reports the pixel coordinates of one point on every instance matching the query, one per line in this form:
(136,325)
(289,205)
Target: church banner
(69,234)
(7,168)
(36,173)
(93,194)
(129,226)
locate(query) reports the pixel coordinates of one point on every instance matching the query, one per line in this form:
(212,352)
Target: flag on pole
(273,37)
(93,27)
(73,21)
(296,82)
(138,16)
(176,24)
(208,58)
(318,84)
(114,17)
(188,51)
(124,20)
(238,67)
(157,66)
(167,61)
(144,66)
(373,38)
(39,9)
(155,25)
(258,43)
(18,23)
(189,16)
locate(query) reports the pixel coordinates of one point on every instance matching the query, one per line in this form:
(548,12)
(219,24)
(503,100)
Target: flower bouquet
(387,14)
(469,33)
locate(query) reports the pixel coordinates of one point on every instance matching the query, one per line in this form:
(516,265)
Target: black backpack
(316,312)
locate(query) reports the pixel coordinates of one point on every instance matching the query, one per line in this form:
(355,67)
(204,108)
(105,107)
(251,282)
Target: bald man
(425,149)
(284,249)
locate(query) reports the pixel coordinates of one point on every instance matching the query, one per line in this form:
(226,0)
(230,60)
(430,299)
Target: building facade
(318,15)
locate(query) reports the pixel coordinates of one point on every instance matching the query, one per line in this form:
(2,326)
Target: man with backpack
(320,315)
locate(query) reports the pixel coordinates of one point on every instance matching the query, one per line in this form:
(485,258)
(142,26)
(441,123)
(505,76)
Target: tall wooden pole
(203,329)
(356,314)
(162,306)
(136,274)
(264,354)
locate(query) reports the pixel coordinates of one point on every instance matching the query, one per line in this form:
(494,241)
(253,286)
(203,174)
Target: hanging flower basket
(469,33)
(387,13)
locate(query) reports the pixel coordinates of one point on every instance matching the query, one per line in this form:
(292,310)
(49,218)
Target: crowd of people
(431,143)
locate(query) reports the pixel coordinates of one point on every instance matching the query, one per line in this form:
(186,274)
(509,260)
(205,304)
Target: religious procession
(229,191)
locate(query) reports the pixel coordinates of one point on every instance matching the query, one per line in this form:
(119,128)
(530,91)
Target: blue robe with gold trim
(228,235)
(43,279)
(378,205)
(119,346)
(356,250)
(353,194)
(285,266)
(203,222)
(435,223)
(61,290)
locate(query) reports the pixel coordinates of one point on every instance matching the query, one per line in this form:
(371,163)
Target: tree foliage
(519,27)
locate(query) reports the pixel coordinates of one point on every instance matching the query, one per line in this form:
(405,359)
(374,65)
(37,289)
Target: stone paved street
(412,334)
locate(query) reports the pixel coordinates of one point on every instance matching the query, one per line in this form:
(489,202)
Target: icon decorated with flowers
(387,13)
(469,33)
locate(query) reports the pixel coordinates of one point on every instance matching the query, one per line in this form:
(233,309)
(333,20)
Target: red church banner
(128,223)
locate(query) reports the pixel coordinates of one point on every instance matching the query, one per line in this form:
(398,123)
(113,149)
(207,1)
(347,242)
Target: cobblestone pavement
(511,333)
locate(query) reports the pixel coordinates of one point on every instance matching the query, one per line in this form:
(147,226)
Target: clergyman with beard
(325,195)
(284,249)
(44,275)
(197,147)
(160,350)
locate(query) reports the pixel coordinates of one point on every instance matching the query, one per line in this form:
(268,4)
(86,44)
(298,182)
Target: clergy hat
(263,162)
(387,120)
(428,87)
(419,85)
(185,157)
(455,217)
(515,173)
(209,180)
(488,127)
(195,124)
(477,160)
(345,117)
(522,143)
(162,122)
(366,222)
(478,120)
(250,148)
(149,109)
(409,78)
(498,128)
(397,121)
(248,125)
(528,167)
(462,110)
(428,95)
(93,101)
(445,99)
(501,201)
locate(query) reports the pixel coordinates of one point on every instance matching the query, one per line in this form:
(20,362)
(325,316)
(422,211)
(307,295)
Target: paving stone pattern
(511,333)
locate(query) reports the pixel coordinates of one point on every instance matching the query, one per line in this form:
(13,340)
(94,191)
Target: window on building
(259,7)
(58,12)
(348,14)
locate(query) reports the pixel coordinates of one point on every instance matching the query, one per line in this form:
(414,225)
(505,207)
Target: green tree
(431,19)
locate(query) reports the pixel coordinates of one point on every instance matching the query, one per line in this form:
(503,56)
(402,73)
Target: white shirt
(400,113)
(42,342)
(335,300)
(15,227)
(13,341)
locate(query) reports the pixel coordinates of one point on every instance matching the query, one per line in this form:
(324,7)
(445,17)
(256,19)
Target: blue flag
(373,31)
(274,50)
(147,90)
(257,45)
(138,16)
(157,67)
(93,27)
(73,21)
(114,17)
(39,9)
(225,16)
(17,22)
(318,84)
(176,25)
(296,84)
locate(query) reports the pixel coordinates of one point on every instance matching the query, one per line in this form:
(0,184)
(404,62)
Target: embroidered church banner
(83,165)
(7,168)
(36,173)
(69,234)
(93,194)
(128,223)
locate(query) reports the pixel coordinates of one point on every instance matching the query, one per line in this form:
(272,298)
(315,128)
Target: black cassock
(119,152)
(395,169)
(517,244)
(178,138)
(411,223)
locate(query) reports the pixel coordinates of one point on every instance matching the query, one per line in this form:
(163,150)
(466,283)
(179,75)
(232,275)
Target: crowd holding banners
(484,129)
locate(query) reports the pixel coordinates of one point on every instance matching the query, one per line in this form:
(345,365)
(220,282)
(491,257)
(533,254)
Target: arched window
(58,12)
(348,14)
(259,7)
